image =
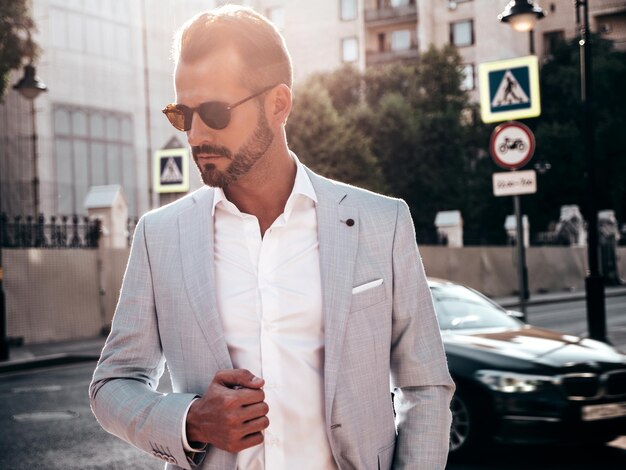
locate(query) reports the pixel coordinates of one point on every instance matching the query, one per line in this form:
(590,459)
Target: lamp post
(29,86)
(594,282)
(523,11)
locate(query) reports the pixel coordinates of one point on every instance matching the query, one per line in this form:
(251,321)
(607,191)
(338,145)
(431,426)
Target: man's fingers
(255,411)
(247,396)
(238,377)
(251,440)
(255,425)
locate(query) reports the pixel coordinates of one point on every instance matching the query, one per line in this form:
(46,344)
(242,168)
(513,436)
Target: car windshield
(459,308)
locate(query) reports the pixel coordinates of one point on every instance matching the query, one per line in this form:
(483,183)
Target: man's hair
(260,46)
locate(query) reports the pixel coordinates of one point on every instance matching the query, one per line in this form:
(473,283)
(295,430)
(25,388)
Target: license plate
(606,411)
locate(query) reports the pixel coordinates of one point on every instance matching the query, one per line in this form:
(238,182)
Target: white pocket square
(366,286)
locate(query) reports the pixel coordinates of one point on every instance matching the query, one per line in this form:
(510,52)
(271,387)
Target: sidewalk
(34,356)
(552,297)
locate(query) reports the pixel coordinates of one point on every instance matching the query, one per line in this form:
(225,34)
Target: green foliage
(330,144)
(14,46)
(559,133)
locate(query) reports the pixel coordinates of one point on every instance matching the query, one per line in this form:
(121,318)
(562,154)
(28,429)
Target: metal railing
(59,232)
(391,13)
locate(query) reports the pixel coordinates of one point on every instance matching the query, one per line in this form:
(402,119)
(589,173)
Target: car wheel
(468,431)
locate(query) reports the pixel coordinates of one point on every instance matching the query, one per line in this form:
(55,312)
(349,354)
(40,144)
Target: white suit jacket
(381,339)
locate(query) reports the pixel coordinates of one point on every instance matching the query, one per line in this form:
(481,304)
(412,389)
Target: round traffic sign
(512,145)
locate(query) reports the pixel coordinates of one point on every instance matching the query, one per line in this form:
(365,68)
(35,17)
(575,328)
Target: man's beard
(241,163)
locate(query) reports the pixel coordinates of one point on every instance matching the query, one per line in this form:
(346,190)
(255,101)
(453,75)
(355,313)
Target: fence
(60,232)
(498,238)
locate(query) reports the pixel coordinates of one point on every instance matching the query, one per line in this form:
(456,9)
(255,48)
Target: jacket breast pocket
(367,298)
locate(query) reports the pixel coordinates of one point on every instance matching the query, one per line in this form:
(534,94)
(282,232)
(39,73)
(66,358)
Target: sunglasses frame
(188,112)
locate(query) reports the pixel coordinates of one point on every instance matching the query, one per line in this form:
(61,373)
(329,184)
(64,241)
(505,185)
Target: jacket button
(349,222)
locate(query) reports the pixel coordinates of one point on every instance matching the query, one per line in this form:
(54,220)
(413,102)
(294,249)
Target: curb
(45,361)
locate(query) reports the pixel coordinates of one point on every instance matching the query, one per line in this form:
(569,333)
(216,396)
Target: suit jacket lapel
(195,227)
(338,244)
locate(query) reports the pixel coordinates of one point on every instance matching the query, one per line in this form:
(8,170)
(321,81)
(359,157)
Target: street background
(388,98)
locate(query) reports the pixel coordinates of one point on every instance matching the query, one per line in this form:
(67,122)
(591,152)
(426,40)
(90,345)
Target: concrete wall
(493,270)
(53,295)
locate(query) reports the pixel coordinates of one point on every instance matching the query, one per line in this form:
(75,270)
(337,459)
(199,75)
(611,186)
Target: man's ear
(280,107)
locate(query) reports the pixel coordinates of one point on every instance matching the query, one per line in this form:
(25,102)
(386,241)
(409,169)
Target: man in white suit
(286,305)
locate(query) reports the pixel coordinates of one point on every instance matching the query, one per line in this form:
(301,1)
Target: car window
(458,308)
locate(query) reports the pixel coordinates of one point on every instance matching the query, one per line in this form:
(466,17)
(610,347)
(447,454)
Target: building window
(92,147)
(348,9)
(350,49)
(467,83)
(277,16)
(551,39)
(462,33)
(399,3)
(401,40)
(92,35)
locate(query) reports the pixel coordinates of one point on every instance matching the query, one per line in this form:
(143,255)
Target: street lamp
(522,15)
(524,10)
(30,87)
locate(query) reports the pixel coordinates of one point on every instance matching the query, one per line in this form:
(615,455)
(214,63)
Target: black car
(519,383)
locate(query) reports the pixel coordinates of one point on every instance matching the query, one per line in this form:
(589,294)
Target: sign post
(512,146)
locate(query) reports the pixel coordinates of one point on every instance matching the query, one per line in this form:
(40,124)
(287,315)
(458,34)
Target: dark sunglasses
(214,114)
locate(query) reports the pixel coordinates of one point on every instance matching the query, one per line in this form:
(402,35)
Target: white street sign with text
(511,183)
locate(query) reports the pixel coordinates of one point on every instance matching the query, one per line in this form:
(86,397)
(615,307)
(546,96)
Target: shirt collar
(301,186)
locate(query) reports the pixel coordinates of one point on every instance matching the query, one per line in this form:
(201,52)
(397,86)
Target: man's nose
(199,131)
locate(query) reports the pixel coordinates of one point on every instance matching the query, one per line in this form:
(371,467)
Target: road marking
(37,388)
(40,416)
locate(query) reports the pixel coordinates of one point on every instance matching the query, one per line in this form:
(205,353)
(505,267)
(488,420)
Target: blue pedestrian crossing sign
(171,171)
(509,89)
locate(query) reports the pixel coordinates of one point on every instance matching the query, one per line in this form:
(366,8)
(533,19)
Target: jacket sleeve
(419,372)
(123,392)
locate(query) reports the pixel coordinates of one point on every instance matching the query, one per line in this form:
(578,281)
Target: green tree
(328,143)
(344,86)
(15,27)
(559,135)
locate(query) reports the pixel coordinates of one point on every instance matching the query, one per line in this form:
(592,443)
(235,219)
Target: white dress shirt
(269,298)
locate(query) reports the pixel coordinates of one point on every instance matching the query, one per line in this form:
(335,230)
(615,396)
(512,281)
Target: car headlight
(511,382)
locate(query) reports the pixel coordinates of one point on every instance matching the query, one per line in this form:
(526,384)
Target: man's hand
(231,414)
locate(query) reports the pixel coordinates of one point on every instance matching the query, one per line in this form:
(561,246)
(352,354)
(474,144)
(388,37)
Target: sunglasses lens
(215,115)
(176,117)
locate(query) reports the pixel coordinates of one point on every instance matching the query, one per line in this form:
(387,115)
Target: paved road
(46,423)
(571,317)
